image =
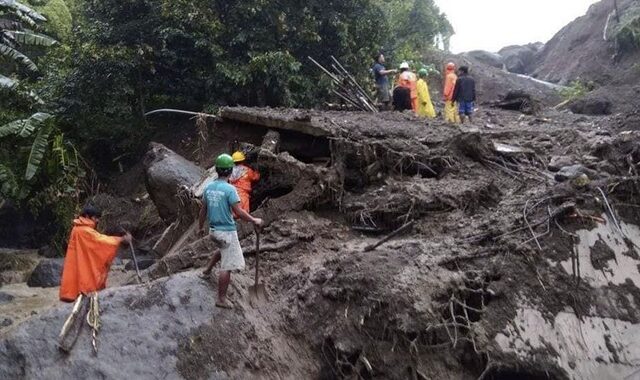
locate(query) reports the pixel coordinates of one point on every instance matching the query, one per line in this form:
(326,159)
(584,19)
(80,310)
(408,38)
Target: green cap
(224,161)
(423,72)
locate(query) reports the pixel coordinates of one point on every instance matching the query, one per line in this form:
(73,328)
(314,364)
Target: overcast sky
(493,24)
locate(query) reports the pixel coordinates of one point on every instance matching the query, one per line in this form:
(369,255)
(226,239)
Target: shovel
(257,293)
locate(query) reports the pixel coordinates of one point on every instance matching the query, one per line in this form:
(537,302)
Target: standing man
(450,79)
(219,200)
(242,178)
(89,256)
(409,80)
(425,107)
(382,80)
(465,94)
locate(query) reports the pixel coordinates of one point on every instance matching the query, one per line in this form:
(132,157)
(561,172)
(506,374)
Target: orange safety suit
(86,264)
(409,80)
(242,178)
(450,111)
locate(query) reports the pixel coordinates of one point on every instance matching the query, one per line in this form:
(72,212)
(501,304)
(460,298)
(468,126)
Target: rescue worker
(465,94)
(409,80)
(425,107)
(401,99)
(89,256)
(218,201)
(381,75)
(450,111)
(242,178)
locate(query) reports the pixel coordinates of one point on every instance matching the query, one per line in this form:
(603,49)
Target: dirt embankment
(506,273)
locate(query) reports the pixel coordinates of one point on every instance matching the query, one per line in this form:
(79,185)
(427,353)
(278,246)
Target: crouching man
(220,201)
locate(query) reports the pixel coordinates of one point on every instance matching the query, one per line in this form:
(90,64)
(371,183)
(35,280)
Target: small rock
(5,298)
(570,172)
(581,181)
(558,162)
(6,322)
(47,274)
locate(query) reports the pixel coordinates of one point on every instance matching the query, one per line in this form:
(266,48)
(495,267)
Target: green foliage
(59,19)
(577,89)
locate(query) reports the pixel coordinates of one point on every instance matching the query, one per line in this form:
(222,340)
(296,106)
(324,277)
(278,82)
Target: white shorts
(230,250)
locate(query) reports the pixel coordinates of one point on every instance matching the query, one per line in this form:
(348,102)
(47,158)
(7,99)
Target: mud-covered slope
(505,273)
(580,50)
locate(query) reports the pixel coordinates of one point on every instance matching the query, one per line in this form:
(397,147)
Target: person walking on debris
(450,79)
(242,178)
(219,200)
(425,107)
(381,75)
(409,80)
(465,94)
(89,256)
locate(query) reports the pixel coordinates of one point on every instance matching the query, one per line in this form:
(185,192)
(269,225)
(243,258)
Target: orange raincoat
(242,178)
(409,80)
(450,110)
(86,264)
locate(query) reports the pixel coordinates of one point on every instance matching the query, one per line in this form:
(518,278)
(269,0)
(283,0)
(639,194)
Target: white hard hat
(404,65)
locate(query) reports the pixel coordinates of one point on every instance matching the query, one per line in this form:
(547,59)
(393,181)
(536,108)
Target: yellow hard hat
(238,157)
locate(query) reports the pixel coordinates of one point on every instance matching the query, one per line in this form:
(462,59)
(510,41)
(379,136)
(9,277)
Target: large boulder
(166,173)
(520,59)
(47,274)
(591,106)
(486,57)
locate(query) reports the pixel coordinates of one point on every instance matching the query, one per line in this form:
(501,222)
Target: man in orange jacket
(242,178)
(89,256)
(450,79)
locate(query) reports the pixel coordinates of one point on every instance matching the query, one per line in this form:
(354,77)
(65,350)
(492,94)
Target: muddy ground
(499,253)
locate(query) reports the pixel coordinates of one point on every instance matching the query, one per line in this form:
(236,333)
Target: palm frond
(27,37)
(24,127)
(24,12)
(38,149)
(8,51)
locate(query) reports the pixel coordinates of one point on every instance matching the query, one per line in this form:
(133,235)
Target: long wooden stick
(390,236)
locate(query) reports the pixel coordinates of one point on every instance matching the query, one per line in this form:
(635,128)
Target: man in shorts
(381,75)
(220,201)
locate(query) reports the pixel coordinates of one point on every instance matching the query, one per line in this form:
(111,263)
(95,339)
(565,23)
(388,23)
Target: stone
(558,162)
(5,298)
(520,59)
(47,274)
(581,181)
(488,58)
(165,173)
(589,106)
(6,322)
(570,172)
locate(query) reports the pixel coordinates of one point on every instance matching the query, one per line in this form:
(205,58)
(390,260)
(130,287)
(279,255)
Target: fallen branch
(395,233)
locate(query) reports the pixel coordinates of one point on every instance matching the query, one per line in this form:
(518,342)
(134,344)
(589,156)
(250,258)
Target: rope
(93,319)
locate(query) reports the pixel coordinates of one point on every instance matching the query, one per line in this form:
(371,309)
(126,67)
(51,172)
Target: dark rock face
(590,106)
(166,172)
(47,274)
(520,59)
(488,58)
